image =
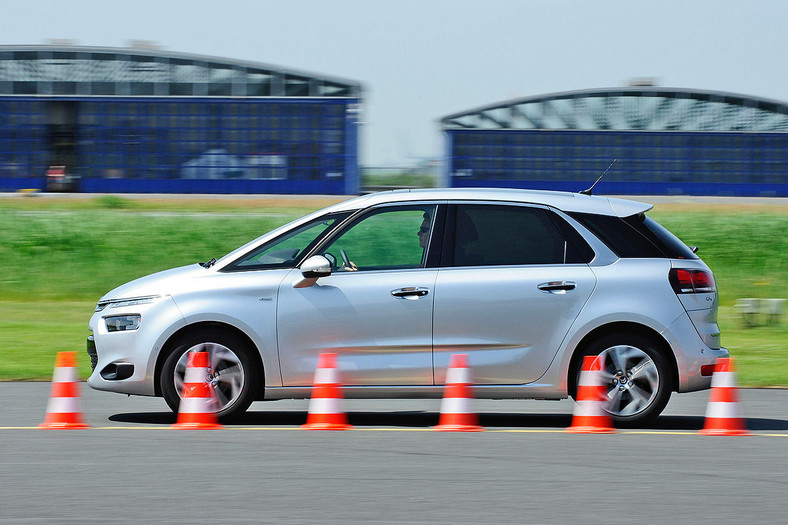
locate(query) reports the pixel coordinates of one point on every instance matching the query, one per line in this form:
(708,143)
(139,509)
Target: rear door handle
(557,286)
(411,292)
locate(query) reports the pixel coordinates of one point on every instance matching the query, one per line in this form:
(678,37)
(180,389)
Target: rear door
(510,287)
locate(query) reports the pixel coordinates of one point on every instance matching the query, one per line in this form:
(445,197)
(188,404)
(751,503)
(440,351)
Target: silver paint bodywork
(520,339)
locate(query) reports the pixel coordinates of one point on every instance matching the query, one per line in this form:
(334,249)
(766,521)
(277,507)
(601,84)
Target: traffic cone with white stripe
(63,406)
(325,405)
(199,404)
(590,416)
(722,414)
(457,414)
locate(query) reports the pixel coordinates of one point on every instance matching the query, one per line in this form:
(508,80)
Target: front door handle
(557,286)
(411,292)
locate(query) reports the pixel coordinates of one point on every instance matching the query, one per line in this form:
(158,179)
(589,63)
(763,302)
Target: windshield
(285,250)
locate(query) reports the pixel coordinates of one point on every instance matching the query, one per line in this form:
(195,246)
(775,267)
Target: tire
(236,374)
(636,374)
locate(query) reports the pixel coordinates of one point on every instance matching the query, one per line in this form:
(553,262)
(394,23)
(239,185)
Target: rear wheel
(636,376)
(234,375)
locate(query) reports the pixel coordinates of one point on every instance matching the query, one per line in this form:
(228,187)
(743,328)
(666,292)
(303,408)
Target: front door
(374,310)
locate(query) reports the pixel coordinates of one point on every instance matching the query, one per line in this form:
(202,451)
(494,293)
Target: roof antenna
(589,190)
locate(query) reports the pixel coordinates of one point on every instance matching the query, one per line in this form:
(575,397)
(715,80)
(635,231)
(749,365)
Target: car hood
(160,283)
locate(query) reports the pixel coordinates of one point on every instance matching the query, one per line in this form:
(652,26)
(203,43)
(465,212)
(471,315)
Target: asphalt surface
(131,467)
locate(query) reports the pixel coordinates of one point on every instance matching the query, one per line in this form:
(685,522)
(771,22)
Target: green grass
(31,333)
(82,255)
(760,353)
(59,256)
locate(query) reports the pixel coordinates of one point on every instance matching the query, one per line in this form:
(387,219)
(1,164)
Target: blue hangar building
(666,140)
(140,120)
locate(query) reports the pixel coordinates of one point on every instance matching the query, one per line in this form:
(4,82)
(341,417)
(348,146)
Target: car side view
(526,283)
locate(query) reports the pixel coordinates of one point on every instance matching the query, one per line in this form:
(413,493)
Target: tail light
(692,281)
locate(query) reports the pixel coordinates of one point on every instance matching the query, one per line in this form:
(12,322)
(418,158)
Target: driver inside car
(424,231)
(402,256)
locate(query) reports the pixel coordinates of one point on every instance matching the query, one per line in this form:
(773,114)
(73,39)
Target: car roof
(564,201)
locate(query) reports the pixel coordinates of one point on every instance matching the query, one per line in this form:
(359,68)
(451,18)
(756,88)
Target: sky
(419,61)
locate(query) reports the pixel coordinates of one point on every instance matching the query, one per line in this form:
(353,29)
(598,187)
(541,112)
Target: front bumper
(125,361)
(91,348)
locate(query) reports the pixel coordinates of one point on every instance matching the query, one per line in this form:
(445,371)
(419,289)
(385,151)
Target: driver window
(386,239)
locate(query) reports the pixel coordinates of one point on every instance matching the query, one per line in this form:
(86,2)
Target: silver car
(525,283)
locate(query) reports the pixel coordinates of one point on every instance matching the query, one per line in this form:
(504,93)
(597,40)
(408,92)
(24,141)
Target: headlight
(132,301)
(122,323)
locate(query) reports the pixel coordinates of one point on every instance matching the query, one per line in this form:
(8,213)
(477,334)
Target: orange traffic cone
(590,416)
(198,405)
(457,414)
(722,414)
(325,405)
(63,407)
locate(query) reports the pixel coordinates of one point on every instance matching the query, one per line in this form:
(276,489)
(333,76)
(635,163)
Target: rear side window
(497,235)
(637,236)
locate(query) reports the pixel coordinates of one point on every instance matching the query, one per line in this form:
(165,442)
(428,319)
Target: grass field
(60,255)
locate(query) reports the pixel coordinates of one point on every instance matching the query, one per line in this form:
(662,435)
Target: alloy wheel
(632,380)
(226,376)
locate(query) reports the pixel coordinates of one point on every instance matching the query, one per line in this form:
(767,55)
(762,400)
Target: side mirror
(312,269)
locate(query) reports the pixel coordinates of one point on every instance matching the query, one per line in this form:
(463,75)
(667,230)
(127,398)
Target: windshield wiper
(208,264)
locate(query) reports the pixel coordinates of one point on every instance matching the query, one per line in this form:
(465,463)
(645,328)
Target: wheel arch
(169,346)
(617,327)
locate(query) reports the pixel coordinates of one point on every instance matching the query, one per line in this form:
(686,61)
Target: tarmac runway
(131,467)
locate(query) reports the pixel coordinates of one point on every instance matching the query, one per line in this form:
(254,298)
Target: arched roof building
(71,70)
(133,119)
(666,140)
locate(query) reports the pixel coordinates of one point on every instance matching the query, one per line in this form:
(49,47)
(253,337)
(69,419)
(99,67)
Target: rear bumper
(691,354)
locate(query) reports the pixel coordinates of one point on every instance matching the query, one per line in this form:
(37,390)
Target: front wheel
(234,373)
(636,376)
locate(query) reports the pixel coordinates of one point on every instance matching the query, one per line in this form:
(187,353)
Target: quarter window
(638,236)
